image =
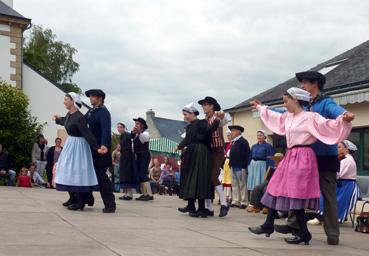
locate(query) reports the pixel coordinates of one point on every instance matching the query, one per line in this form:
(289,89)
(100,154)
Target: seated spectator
(24,180)
(167,178)
(36,178)
(257,193)
(5,167)
(155,173)
(347,191)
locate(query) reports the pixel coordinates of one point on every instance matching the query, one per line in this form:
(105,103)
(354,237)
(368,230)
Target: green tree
(18,128)
(52,58)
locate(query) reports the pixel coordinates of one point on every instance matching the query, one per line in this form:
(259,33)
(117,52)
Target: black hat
(95,92)
(236,127)
(212,101)
(142,121)
(312,75)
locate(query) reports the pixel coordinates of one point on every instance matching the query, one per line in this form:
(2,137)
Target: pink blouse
(306,127)
(348,168)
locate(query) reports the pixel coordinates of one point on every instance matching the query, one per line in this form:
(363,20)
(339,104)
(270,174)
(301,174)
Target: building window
(360,137)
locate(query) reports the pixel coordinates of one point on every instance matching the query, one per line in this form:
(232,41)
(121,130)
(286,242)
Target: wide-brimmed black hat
(212,101)
(95,92)
(142,121)
(236,127)
(311,75)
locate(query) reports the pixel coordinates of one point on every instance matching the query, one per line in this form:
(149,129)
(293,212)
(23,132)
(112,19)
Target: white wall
(45,100)
(6,57)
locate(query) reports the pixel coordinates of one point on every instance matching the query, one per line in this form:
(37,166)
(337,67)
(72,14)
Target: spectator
(167,178)
(238,161)
(166,166)
(155,174)
(24,180)
(52,158)
(5,165)
(39,153)
(36,178)
(116,165)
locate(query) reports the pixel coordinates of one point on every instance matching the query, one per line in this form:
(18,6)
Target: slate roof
(7,11)
(352,73)
(169,128)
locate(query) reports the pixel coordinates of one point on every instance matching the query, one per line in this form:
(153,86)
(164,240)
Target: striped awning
(163,145)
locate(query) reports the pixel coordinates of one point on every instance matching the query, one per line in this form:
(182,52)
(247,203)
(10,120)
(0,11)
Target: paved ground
(33,222)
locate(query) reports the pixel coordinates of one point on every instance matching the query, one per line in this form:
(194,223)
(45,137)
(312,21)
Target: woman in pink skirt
(295,184)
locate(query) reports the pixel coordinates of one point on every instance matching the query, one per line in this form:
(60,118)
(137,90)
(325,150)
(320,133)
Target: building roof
(345,72)
(169,128)
(7,11)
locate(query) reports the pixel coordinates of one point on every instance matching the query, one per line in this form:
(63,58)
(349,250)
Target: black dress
(127,172)
(196,168)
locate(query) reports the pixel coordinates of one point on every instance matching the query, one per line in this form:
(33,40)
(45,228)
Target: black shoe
(76,207)
(299,239)
(332,240)
(243,207)
(109,210)
(223,211)
(150,198)
(199,213)
(260,231)
(209,213)
(186,209)
(145,198)
(234,206)
(285,229)
(140,197)
(69,202)
(90,201)
(126,198)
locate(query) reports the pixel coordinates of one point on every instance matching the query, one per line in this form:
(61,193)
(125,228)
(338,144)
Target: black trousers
(105,187)
(49,174)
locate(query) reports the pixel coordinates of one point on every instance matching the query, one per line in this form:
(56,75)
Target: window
(361,139)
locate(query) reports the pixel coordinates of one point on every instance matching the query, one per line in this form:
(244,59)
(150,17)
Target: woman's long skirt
(256,176)
(295,183)
(197,166)
(127,171)
(347,195)
(75,169)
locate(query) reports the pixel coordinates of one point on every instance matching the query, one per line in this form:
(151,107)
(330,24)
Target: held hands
(55,117)
(102,150)
(255,103)
(220,115)
(348,117)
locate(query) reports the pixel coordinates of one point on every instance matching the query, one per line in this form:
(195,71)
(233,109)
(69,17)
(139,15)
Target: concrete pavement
(33,222)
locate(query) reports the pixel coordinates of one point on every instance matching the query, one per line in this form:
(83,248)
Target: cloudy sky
(163,54)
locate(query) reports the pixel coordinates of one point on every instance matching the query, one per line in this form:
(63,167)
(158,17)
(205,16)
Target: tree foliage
(18,128)
(52,58)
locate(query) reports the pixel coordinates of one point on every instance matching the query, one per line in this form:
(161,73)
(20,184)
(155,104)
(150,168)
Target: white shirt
(144,137)
(348,169)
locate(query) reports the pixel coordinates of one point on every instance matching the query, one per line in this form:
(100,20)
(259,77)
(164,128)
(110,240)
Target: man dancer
(99,122)
(142,157)
(327,156)
(210,106)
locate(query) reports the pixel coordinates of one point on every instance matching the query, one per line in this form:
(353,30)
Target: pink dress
(295,184)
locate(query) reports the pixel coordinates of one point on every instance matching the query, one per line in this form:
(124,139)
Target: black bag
(363,221)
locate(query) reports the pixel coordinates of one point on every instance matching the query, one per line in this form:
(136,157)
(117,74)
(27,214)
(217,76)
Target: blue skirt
(256,176)
(75,170)
(347,194)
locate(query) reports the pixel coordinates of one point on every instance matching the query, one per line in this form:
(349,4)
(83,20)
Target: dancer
(141,138)
(227,172)
(197,161)
(75,171)
(210,107)
(99,123)
(259,161)
(327,155)
(347,188)
(295,184)
(128,175)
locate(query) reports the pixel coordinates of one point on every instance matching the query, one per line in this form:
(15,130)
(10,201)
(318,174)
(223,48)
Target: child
(24,180)
(36,178)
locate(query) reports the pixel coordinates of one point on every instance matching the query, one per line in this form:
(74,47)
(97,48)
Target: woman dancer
(75,172)
(128,175)
(295,184)
(197,161)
